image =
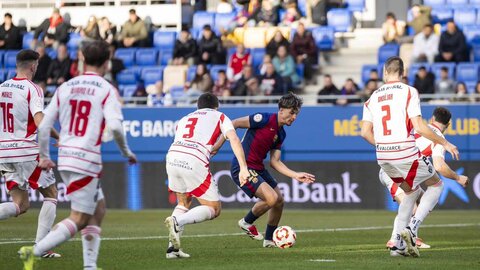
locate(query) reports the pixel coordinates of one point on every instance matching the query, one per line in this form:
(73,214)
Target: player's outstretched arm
(422,129)
(367,132)
(242,122)
(442,167)
(115,125)
(280,167)
(238,152)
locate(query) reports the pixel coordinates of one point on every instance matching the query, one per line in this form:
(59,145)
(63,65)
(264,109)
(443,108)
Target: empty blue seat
(467,72)
(366,69)
(2,53)
(74,41)
(73,55)
(127,55)
(127,76)
(471,87)
(457,2)
(164,39)
(413,70)
(51,52)
(437,67)
(464,16)
(164,57)
(475,3)
(2,75)
(176,91)
(27,39)
(472,34)
(386,51)
(201,18)
(257,55)
(191,72)
(300,69)
(11,73)
(442,15)
(302,6)
(215,69)
(340,19)
(355,5)
(146,57)
(434,3)
(324,37)
(127,90)
(476,53)
(151,75)
(222,20)
(10,59)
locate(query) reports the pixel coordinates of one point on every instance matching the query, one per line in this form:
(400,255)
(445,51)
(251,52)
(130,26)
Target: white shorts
(26,174)
(391,186)
(187,174)
(413,173)
(83,191)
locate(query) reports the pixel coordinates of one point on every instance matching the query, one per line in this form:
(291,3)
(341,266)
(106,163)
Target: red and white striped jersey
(390,109)
(198,131)
(82,105)
(427,147)
(20,100)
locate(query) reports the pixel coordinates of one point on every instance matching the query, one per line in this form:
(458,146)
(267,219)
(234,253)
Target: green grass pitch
(137,240)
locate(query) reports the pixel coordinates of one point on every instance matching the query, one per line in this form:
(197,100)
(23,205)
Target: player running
(188,170)
(83,106)
(389,117)
(265,133)
(439,124)
(21,106)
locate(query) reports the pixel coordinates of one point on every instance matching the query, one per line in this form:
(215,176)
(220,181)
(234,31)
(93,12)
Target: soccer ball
(284,237)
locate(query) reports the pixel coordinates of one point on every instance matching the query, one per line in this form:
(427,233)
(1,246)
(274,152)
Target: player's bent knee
(49,192)
(272,200)
(280,201)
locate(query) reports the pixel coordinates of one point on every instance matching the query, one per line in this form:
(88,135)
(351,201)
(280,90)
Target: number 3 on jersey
(79,117)
(385,119)
(192,122)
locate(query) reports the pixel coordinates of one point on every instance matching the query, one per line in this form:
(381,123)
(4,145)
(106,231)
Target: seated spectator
(222,85)
(240,87)
(370,87)
(285,66)
(452,46)
(106,30)
(43,64)
(425,45)
(292,15)
(201,83)
(271,83)
(10,36)
(224,7)
(59,69)
(54,30)
(424,81)
(461,93)
(277,41)
(266,15)
(244,15)
(421,18)
(91,31)
(157,97)
(210,47)
(134,32)
(267,59)
(237,61)
(139,96)
(304,50)
(328,89)
(77,67)
(350,88)
(185,49)
(115,65)
(444,84)
(477,92)
(316,11)
(373,75)
(392,29)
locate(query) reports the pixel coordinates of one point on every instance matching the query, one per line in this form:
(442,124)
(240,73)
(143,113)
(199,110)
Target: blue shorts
(250,188)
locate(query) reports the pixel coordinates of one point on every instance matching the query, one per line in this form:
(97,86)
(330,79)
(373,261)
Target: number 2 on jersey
(79,117)
(385,119)
(192,122)
(7,116)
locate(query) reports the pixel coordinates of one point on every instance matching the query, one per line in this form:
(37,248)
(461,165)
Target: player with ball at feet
(265,134)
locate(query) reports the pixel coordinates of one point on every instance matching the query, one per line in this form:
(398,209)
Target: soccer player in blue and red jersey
(265,135)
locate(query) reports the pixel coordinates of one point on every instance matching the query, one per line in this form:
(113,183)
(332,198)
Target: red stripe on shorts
(76,185)
(200,190)
(412,173)
(33,179)
(393,190)
(11,185)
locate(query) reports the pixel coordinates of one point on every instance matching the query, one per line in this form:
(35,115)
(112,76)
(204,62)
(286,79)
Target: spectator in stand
(328,89)
(43,64)
(210,47)
(266,15)
(374,76)
(477,92)
(271,83)
(452,46)
(91,31)
(370,87)
(292,15)
(224,7)
(240,87)
(59,69)
(274,43)
(285,66)
(237,61)
(444,85)
(461,93)
(392,28)
(53,29)
(77,67)
(425,45)
(222,85)
(424,81)
(185,49)
(201,83)
(316,11)
(140,95)
(200,5)
(115,65)
(421,18)
(106,30)
(304,51)
(350,88)
(10,35)
(267,59)
(134,32)
(244,15)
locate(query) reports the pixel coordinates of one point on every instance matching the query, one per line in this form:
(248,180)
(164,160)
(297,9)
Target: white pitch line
(321,260)
(373,228)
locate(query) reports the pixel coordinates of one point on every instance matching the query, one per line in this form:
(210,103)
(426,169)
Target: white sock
(62,232)
(178,211)
(427,203)
(404,213)
(91,246)
(46,218)
(196,215)
(8,210)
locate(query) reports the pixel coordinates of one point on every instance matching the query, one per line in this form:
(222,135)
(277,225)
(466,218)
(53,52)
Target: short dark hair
(391,15)
(373,70)
(442,115)
(8,15)
(207,100)
(428,25)
(96,53)
(132,11)
(221,71)
(327,76)
(394,65)
(290,101)
(444,69)
(26,56)
(422,68)
(207,27)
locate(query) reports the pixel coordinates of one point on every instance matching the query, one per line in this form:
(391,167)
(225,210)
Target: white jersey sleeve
(413,103)
(427,147)
(36,100)
(367,114)
(112,108)
(225,125)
